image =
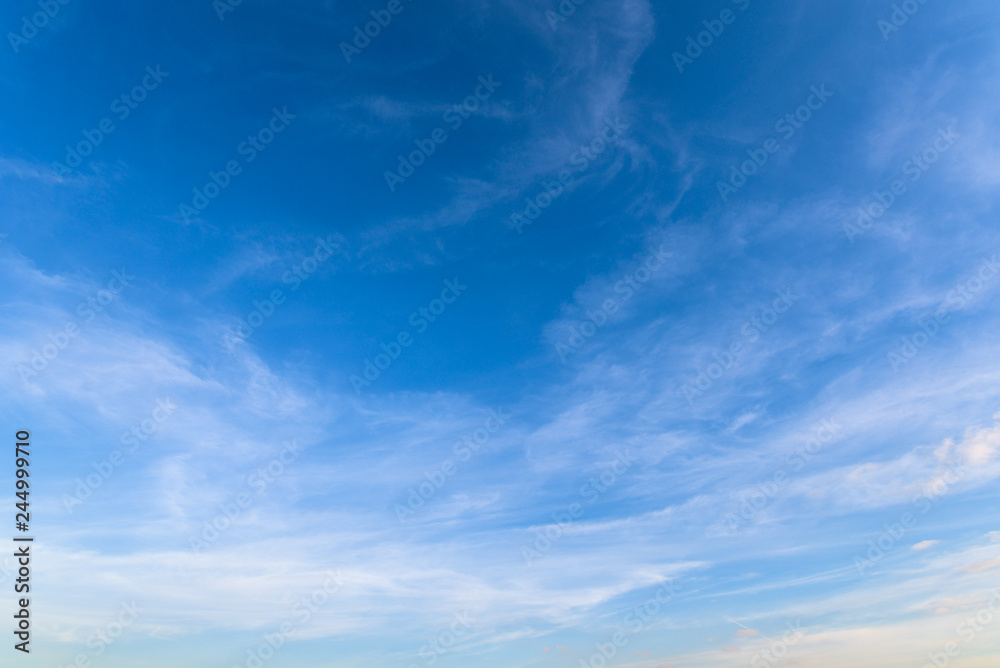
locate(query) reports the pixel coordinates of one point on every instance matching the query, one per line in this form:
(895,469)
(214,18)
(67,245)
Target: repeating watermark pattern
(421,320)
(638,619)
(968,630)
(372,29)
(122,107)
(223,7)
(248,149)
(914,168)
(761,496)
(565,9)
(900,16)
(893,533)
(102,638)
(788,125)
(963,293)
(454,117)
(87,311)
(7,569)
(696,44)
(590,492)
(264,308)
(445,641)
(626,288)
(131,440)
(31,25)
(578,163)
(302,611)
(463,451)
(776,652)
(752,330)
(258,481)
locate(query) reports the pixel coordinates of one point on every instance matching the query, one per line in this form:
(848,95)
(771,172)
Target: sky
(415,333)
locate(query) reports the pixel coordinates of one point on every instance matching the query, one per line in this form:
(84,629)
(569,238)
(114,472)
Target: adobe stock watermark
(87,311)
(696,44)
(223,7)
(102,638)
(899,17)
(776,652)
(295,276)
(590,492)
(968,630)
(636,620)
(762,495)
(258,481)
(454,117)
(446,640)
(788,126)
(963,293)
(248,149)
(914,168)
(566,9)
(578,163)
(122,107)
(131,440)
(893,533)
(463,451)
(372,29)
(303,610)
(752,330)
(37,21)
(420,319)
(627,288)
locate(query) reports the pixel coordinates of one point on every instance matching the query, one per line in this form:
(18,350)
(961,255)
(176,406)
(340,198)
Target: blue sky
(672,338)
